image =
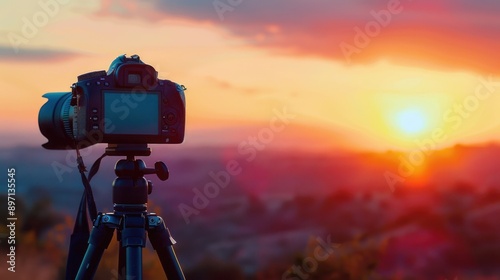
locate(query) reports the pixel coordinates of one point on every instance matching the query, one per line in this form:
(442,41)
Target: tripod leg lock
(109,219)
(159,235)
(102,231)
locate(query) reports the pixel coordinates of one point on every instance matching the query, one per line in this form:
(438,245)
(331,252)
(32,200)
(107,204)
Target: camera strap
(79,237)
(95,166)
(86,182)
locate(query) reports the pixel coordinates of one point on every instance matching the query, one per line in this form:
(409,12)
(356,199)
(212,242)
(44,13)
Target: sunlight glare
(411,121)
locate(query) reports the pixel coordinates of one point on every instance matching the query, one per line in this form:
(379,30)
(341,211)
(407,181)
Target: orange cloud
(446,34)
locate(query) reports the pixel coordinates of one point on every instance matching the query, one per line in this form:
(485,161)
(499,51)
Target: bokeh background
(363,130)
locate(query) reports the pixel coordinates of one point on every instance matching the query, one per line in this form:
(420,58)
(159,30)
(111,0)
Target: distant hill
(279,199)
(268,172)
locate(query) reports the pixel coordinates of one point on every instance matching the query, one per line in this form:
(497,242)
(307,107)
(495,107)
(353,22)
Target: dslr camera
(128,104)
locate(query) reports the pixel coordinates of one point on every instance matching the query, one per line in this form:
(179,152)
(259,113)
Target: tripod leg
(121,261)
(100,236)
(134,262)
(133,239)
(128,260)
(162,242)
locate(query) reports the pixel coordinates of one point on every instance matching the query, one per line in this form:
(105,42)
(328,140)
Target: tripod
(131,220)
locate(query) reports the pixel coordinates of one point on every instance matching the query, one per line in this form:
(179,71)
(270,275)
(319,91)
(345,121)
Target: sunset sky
(355,74)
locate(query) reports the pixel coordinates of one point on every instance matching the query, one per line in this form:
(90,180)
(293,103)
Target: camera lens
(55,120)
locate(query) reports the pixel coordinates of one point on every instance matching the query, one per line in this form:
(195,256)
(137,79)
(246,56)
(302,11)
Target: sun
(411,121)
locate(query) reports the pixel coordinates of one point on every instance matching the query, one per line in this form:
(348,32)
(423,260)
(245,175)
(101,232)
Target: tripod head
(130,187)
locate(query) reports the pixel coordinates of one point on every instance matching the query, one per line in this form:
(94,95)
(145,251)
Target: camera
(128,104)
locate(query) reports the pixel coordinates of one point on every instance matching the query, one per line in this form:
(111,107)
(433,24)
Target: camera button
(170,118)
(95,127)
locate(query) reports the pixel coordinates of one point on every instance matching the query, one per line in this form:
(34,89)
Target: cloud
(7,53)
(450,34)
(225,85)
(130,9)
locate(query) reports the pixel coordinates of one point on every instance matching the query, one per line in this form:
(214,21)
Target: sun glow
(411,121)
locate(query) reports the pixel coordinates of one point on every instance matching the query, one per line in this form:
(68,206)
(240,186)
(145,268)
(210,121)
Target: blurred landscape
(438,221)
(325,140)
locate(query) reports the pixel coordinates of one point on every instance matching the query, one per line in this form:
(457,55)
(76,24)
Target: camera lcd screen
(131,113)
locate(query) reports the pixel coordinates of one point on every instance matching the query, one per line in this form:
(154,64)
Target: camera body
(128,104)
